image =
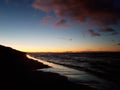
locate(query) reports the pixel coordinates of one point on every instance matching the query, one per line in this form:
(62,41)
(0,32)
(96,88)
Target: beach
(99,70)
(19,72)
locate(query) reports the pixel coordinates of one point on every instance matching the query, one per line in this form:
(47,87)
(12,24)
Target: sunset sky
(60,25)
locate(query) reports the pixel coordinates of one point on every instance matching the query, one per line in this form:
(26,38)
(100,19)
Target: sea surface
(100,70)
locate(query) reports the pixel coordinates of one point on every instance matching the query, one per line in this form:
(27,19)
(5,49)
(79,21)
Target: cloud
(60,23)
(93,33)
(115,33)
(118,43)
(109,30)
(47,19)
(101,12)
(68,39)
(42,5)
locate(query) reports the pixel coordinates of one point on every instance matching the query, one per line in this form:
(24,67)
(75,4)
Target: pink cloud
(47,19)
(101,12)
(42,5)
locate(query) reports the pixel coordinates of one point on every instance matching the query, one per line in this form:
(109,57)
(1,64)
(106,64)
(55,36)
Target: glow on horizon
(86,47)
(28,26)
(102,49)
(42,50)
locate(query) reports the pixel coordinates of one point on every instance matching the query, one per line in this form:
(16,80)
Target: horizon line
(76,52)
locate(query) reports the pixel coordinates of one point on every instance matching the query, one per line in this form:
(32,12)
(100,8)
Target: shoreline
(19,72)
(76,76)
(70,73)
(73,75)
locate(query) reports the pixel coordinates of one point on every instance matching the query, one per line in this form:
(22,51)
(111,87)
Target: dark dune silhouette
(19,72)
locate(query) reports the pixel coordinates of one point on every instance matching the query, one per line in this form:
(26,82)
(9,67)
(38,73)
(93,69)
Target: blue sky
(27,26)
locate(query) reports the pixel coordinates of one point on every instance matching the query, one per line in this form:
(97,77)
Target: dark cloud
(101,12)
(61,22)
(115,33)
(110,30)
(93,33)
(70,39)
(65,38)
(118,43)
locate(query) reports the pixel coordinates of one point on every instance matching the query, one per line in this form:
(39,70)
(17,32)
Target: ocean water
(99,70)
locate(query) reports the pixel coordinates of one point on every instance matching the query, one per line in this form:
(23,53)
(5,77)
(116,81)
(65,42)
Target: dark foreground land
(19,72)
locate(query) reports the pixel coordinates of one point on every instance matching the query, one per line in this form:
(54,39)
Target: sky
(60,25)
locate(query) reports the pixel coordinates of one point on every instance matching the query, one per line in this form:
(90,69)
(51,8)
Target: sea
(100,70)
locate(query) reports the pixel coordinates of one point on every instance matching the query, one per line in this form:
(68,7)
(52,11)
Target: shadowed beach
(19,72)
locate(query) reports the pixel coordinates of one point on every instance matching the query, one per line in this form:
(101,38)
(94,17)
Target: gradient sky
(60,25)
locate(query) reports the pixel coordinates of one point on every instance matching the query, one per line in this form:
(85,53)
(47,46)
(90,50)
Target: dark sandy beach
(19,72)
